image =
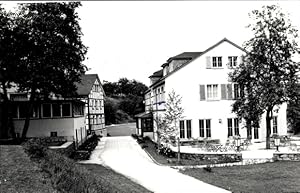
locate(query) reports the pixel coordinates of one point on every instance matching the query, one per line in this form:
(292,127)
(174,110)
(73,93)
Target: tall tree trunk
(268,127)
(178,154)
(28,114)
(249,131)
(4,127)
(178,143)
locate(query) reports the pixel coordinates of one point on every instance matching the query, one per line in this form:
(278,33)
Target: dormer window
(232,61)
(217,62)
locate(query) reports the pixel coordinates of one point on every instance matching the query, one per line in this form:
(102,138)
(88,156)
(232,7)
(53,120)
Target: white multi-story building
(201,79)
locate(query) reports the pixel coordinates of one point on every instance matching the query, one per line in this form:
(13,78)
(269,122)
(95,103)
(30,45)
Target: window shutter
(240,59)
(229,91)
(202,92)
(228,62)
(223,91)
(208,62)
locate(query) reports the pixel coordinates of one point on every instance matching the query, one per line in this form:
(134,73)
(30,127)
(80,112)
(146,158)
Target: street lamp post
(237,143)
(277,142)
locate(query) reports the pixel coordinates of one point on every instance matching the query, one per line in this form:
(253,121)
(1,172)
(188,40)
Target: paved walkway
(125,156)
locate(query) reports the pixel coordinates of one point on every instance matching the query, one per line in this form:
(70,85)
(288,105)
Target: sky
(133,39)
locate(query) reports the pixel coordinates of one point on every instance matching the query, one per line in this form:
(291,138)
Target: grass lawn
(268,177)
(164,160)
(116,180)
(19,174)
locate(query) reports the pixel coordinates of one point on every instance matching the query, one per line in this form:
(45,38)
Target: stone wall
(292,156)
(217,157)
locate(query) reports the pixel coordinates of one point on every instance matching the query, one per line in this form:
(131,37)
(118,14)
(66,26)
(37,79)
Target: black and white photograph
(150,96)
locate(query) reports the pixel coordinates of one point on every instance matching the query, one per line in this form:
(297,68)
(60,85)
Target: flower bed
(84,151)
(214,157)
(291,156)
(168,157)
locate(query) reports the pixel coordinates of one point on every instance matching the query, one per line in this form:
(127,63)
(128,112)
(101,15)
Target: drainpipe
(158,135)
(89,122)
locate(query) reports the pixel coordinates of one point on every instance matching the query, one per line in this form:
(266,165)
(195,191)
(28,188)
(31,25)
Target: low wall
(217,157)
(290,156)
(66,149)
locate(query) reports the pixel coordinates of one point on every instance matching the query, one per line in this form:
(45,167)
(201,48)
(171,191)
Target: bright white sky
(133,39)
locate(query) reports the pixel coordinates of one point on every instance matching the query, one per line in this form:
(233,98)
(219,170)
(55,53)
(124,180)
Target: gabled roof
(183,56)
(85,86)
(158,74)
(195,56)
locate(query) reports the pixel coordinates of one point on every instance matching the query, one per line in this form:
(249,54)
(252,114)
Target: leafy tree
(129,96)
(110,110)
(124,87)
(267,76)
(54,51)
(168,126)
(293,113)
(111,88)
(12,42)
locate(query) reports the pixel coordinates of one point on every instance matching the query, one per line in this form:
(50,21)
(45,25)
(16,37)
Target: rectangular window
(14,111)
(214,61)
(201,128)
(217,62)
(208,128)
(275,130)
(53,134)
(66,110)
(181,126)
(22,110)
(236,127)
(236,93)
(56,111)
(188,128)
(229,126)
(232,61)
(78,109)
(158,95)
(46,110)
(212,91)
(255,133)
(35,111)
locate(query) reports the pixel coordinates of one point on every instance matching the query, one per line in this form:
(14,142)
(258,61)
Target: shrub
(84,151)
(35,148)
(65,174)
(140,140)
(166,151)
(207,168)
(90,144)
(135,136)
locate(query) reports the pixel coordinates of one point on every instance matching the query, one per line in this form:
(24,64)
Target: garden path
(125,156)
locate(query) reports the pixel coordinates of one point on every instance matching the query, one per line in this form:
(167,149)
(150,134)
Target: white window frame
(212,91)
(205,128)
(217,62)
(232,61)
